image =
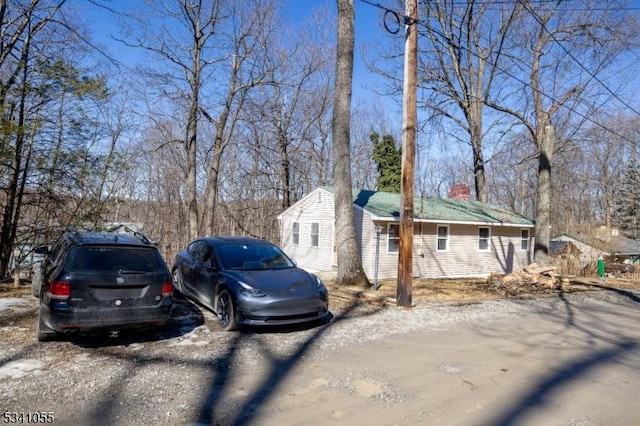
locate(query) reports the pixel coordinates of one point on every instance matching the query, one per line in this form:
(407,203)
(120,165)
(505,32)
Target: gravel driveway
(366,366)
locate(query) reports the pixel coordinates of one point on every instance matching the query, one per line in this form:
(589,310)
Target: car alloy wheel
(226,311)
(176,277)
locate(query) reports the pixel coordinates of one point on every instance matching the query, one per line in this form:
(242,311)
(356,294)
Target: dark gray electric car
(248,281)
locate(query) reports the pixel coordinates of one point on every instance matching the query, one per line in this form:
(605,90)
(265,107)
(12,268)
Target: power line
(564,49)
(518,79)
(490,3)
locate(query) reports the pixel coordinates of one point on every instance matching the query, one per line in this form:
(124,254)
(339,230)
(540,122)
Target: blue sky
(369,31)
(369,28)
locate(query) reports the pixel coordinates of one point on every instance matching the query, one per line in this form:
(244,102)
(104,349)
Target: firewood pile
(614,270)
(621,270)
(532,278)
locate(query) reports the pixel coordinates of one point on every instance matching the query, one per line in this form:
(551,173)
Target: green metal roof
(387,205)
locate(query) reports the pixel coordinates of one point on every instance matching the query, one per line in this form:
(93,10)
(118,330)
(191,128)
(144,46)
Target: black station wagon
(101,282)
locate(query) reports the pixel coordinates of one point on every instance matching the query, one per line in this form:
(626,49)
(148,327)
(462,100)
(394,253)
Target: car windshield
(114,259)
(253,256)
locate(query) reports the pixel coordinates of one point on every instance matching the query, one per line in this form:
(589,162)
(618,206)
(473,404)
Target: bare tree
(252,27)
(557,83)
(213,52)
(461,58)
(285,116)
(350,270)
(183,43)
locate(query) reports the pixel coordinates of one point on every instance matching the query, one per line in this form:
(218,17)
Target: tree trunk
(349,261)
(285,174)
(219,145)
(475,126)
(541,248)
(212,186)
(191,196)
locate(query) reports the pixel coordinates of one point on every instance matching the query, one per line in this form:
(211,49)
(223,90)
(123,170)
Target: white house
(452,237)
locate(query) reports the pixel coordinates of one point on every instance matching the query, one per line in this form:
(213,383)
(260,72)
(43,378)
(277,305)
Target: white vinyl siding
(463,259)
(316,207)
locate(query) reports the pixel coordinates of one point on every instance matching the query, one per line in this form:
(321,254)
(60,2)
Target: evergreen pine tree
(627,202)
(389,161)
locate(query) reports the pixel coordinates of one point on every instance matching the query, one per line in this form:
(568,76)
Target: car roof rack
(142,237)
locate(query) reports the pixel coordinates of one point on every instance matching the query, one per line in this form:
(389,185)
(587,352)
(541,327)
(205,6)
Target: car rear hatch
(115,276)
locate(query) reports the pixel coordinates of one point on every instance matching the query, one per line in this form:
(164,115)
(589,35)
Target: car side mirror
(207,264)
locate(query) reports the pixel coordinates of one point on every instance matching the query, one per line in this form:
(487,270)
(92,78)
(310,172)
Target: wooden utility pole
(409,119)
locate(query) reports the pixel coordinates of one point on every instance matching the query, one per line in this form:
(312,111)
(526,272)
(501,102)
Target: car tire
(226,311)
(44,333)
(176,278)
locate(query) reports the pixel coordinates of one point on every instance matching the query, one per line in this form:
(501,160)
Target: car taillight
(167,289)
(59,290)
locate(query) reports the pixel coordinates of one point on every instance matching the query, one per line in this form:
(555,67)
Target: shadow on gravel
(185,317)
(541,393)
(626,293)
(212,408)
(279,368)
(592,330)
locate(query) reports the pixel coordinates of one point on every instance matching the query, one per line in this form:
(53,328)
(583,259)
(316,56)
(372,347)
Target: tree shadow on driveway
(542,392)
(626,293)
(277,372)
(213,371)
(592,332)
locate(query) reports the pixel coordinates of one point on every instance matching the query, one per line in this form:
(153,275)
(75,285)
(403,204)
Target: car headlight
(320,288)
(247,290)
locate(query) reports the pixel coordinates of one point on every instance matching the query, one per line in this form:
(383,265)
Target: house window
(295,233)
(315,234)
(393,240)
(484,235)
(443,238)
(524,239)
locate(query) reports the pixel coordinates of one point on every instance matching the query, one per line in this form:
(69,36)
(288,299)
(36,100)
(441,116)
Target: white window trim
(528,239)
(311,234)
(293,233)
(488,239)
(447,240)
(389,225)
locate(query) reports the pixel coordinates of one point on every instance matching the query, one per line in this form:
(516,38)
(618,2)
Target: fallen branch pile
(532,278)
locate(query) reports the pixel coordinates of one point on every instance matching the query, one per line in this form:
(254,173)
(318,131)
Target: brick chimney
(460,191)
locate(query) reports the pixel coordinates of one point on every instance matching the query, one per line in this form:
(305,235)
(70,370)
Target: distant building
(603,242)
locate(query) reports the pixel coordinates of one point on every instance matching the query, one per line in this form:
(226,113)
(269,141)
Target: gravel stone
(169,377)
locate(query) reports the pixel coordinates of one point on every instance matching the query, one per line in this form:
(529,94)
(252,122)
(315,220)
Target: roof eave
(448,221)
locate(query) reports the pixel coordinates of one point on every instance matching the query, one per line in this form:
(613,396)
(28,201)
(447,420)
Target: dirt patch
(8,289)
(466,291)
